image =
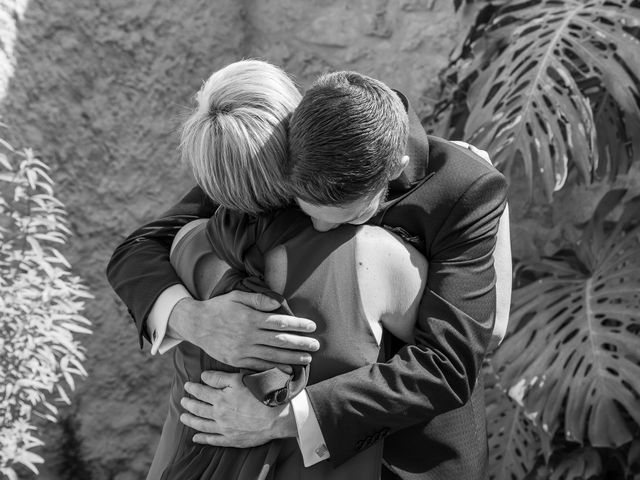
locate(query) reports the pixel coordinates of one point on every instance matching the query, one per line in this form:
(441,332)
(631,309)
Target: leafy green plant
(552,84)
(571,363)
(40,308)
(551,89)
(514,444)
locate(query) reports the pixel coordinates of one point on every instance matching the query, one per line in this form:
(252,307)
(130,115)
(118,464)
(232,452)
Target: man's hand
(228,415)
(235,329)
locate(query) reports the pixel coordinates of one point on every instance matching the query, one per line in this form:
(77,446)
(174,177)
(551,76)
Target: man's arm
(435,376)
(452,334)
(139,269)
(233,328)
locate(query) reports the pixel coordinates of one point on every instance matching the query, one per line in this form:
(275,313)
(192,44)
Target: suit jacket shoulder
(457,181)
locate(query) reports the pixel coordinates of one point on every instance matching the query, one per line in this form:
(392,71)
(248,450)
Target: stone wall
(98,89)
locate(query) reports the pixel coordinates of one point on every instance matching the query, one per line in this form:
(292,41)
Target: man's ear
(399,168)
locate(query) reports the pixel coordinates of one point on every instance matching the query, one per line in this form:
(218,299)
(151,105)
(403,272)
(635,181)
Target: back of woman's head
(235,141)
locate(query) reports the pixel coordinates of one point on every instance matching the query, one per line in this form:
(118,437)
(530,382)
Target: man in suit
(427,399)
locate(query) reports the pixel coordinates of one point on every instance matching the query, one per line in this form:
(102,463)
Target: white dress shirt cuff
(310,439)
(159,319)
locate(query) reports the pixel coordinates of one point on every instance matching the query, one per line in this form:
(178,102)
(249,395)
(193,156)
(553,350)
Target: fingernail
(311,327)
(187,386)
(305,358)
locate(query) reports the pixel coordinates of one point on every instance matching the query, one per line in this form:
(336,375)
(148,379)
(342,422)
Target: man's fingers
(260,365)
(204,393)
(197,408)
(220,380)
(278,355)
(288,341)
(257,301)
(211,439)
(285,323)
(223,441)
(199,424)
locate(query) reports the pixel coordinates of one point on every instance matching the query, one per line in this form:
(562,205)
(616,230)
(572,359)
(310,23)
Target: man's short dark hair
(347,137)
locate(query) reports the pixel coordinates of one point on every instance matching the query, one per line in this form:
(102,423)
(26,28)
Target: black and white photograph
(320,240)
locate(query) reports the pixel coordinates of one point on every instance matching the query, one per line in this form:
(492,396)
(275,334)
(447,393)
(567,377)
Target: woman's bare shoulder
(391,278)
(385,249)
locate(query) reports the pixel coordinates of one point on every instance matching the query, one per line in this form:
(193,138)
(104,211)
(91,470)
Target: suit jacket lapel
(415,173)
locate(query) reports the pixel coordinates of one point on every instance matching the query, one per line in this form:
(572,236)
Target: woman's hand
(238,329)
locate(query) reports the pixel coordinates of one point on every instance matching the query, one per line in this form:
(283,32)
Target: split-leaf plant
(551,89)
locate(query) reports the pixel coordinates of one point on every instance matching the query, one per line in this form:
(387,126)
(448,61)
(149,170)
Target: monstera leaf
(582,464)
(633,457)
(481,3)
(617,129)
(572,355)
(531,100)
(514,445)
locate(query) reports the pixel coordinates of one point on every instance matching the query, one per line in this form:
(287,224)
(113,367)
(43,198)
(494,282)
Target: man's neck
(417,150)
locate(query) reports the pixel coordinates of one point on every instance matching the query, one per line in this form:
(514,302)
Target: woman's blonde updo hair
(236,139)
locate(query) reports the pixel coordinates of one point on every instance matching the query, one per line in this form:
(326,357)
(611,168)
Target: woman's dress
(321,285)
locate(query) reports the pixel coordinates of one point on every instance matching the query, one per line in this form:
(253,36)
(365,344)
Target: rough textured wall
(98,90)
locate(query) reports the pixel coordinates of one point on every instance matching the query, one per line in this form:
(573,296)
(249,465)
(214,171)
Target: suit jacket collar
(414,174)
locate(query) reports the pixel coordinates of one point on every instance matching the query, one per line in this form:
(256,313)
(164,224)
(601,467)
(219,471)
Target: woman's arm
(139,269)
(195,262)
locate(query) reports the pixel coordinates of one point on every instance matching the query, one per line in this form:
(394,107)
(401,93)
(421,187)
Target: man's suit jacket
(425,399)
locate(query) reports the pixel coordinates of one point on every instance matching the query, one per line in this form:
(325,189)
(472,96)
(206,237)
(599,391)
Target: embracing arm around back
(139,271)
(457,213)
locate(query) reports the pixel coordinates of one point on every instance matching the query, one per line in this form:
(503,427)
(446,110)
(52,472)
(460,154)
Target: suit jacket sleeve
(139,269)
(453,331)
